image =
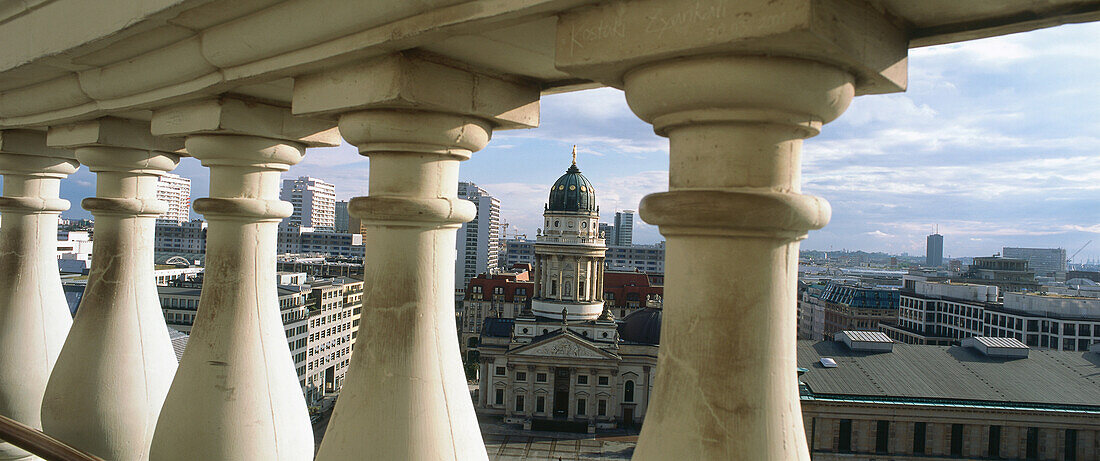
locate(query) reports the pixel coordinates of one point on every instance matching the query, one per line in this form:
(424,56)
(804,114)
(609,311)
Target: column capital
(226,115)
(111,132)
(31,143)
(604,42)
(418,81)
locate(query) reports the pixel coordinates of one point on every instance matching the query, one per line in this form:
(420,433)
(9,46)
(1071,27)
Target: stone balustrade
(246,88)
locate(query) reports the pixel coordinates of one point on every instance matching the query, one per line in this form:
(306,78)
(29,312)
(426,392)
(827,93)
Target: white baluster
(107,389)
(34,318)
(236,395)
(735,89)
(405,396)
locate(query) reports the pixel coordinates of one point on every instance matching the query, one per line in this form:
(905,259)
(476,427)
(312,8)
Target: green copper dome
(572,192)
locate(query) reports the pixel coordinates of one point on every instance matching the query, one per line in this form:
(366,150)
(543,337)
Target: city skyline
(991,141)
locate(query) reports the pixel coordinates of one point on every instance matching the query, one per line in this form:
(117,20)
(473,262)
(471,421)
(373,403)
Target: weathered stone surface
(405,395)
(111,132)
(406,81)
(106,391)
(235,116)
(34,317)
(236,395)
(735,126)
(604,42)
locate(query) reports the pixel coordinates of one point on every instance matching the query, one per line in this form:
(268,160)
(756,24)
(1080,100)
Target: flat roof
(1046,379)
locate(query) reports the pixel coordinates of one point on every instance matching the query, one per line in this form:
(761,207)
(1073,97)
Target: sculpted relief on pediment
(563,348)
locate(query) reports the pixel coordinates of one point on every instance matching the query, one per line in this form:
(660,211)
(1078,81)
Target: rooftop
(1047,378)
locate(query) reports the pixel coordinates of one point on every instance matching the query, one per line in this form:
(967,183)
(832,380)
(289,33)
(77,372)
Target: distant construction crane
(1076,252)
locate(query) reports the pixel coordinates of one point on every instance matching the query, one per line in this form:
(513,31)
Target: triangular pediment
(565,345)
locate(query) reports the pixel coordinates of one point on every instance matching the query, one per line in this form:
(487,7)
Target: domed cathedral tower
(569,252)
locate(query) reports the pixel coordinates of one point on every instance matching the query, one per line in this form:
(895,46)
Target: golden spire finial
(574,154)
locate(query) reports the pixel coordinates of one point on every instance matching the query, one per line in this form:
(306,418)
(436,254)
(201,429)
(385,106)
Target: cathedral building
(569,365)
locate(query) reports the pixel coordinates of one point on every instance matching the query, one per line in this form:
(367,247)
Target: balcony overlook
(127,89)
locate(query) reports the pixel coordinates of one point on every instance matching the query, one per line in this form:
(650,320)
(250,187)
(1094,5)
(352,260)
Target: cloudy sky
(997,141)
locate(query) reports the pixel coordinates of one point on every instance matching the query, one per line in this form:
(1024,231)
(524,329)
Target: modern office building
(320,317)
(1044,261)
(867,398)
(321,266)
(608,232)
(305,240)
(314,203)
(342,217)
(518,251)
(180,305)
(640,258)
(934,251)
(624,228)
(478,241)
(187,237)
(1008,274)
(945,312)
(174,190)
(334,307)
(74,251)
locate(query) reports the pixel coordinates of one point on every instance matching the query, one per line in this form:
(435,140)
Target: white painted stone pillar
(107,389)
(236,395)
(405,396)
(736,87)
(34,318)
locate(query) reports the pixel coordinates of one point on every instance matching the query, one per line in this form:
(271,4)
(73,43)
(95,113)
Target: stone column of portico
(108,386)
(236,395)
(34,318)
(736,87)
(405,396)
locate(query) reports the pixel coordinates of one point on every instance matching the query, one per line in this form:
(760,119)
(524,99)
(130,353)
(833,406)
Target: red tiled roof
(628,286)
(507,281)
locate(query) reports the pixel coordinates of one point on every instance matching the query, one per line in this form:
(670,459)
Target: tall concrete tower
(314,203)
(934,253)
(569,253)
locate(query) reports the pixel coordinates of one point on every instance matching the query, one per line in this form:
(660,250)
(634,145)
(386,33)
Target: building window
(500,397)
(603,380)
(602,408)
(919,436)
(500,371)
(956,439)
(844,442)
(519,404)
(628,391)
(582,406)
(994,441)
(882,437)
(540,377)
(1032,443)
(1071,445)
(540,404)
(582,379)
(521,376)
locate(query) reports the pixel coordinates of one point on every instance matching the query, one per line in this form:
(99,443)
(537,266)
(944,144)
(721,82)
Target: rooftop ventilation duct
(997,347)
(866,341)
